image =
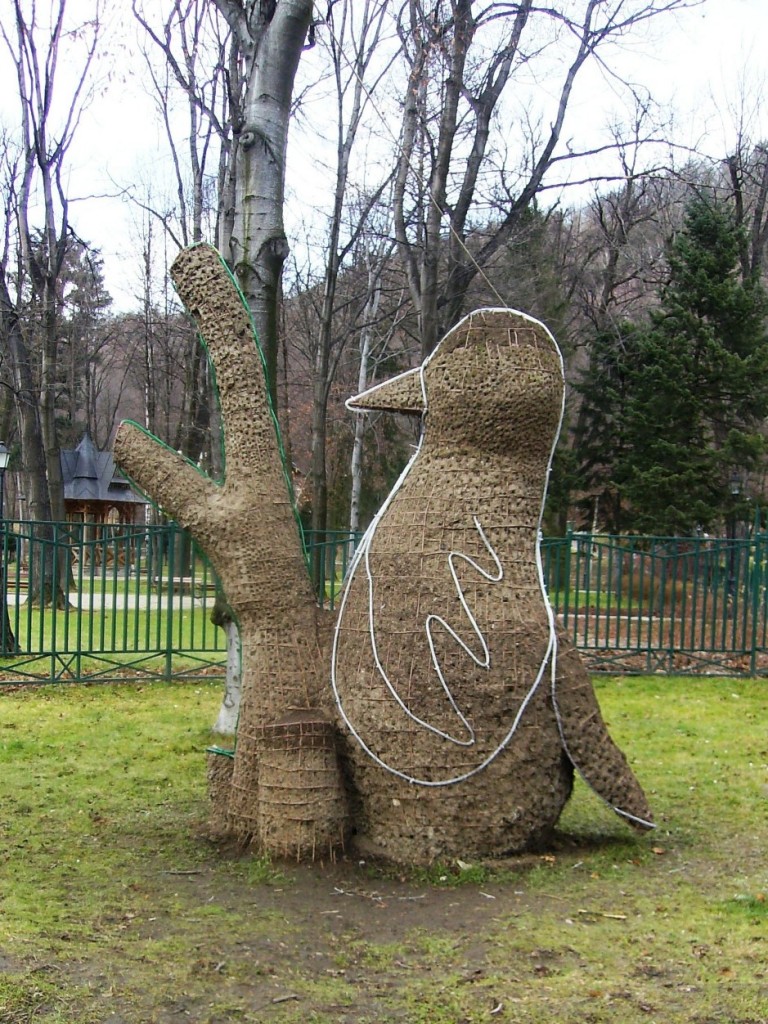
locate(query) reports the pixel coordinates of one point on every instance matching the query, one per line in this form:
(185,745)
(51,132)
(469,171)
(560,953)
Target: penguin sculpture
(447,717)
(465,707)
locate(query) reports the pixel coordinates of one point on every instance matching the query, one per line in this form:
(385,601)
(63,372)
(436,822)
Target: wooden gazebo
(95,491)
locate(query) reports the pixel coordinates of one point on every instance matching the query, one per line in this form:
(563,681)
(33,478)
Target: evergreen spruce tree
(600,442)
(699,393)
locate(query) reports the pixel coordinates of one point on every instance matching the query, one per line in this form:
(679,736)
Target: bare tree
(354,39)
(44,145)
(200,60)
(270,36)
(747,169)
(462,59)
(374,342)
(38,225)
(621,235)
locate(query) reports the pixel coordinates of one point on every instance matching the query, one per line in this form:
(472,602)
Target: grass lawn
(114,907)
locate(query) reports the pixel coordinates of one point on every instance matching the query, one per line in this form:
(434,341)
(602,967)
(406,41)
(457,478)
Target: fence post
(755,578)
(565,585)
(8,642)
(170,553)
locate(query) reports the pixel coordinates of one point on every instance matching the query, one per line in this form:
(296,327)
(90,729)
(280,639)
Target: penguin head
(493,384)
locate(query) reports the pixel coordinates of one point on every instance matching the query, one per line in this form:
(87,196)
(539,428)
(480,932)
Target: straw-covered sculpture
(445,715)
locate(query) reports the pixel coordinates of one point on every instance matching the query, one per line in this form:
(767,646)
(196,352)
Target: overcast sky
(704,62)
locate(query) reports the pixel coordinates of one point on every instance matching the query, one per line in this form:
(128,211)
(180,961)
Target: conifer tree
(699,392)
(600,442)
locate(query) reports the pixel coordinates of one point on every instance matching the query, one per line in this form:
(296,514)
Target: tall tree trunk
(41,589)
(48,389)
(356,466)
(363,31)
(271,42)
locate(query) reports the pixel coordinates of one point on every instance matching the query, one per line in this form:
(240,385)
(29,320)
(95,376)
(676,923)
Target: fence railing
(134,602)
(662,604)
(330,555)
(118,602)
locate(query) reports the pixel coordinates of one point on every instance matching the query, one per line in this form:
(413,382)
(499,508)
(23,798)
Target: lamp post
(8,644)
(5,458)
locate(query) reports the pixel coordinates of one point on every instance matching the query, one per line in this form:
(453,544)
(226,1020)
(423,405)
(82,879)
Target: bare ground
(351,943)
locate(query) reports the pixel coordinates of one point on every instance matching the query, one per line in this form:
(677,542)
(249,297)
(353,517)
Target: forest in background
(448,183)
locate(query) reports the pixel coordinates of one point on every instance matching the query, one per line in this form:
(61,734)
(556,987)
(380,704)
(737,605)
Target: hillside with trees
(449,181)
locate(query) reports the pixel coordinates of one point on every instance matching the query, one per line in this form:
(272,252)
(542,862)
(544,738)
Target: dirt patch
(349,942)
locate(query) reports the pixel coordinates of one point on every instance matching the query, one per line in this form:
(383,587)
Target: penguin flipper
(588,745)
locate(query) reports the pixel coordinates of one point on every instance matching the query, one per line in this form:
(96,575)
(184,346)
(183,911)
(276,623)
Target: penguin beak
(404,393)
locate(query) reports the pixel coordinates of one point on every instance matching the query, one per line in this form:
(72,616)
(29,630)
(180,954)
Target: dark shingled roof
(91,475)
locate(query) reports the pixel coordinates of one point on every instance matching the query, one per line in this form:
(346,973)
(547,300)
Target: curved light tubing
(483,662)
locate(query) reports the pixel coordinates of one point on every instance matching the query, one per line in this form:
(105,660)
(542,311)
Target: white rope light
(483,662)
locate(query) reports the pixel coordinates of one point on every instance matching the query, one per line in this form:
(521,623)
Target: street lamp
(5,458)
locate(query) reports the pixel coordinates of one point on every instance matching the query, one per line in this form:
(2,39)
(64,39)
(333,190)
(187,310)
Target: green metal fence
(334,549)
(662,604)
(129,602)
(135,601)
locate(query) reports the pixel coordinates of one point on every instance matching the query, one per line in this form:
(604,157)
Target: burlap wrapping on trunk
(219,776)
(246,526)
(300,788)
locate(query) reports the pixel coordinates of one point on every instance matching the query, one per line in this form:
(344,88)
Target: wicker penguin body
(445,645)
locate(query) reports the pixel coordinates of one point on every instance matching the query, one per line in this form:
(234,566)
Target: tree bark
(226,720)
(271,42)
